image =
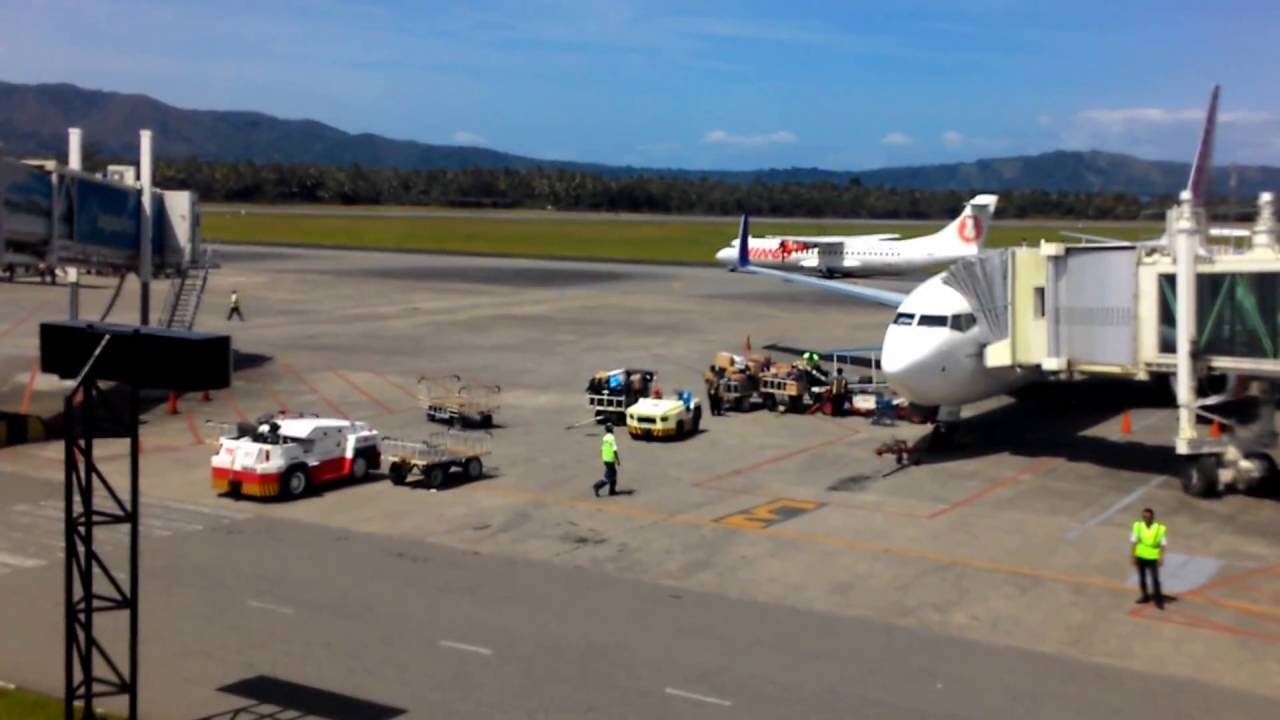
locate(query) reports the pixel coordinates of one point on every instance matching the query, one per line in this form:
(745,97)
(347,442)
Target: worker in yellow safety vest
(1149,538)
(609,456)
(839,393)
(233,308)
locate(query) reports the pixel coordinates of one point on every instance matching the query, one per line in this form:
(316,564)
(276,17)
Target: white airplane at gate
(932,354)
(871,255)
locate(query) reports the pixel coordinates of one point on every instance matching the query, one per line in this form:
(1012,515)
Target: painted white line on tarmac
(268,606)
(20,561)
(465,647)
(193,508)
(700,698)
(1120,505)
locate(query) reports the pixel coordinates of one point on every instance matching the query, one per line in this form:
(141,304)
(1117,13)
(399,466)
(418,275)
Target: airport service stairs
(185,294)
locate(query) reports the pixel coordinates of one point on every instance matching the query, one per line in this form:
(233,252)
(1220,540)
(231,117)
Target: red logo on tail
(970,228)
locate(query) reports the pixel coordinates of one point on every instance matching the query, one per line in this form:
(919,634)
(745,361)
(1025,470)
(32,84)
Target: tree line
(251,182)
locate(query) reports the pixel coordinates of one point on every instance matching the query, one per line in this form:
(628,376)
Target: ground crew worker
(709,378)
(813,364)
(611,459)
(839,392)
(234,309)
(722,387)
(1149,538)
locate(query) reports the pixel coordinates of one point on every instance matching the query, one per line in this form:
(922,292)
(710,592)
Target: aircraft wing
(831,239)
(859,292)
(1106,240)
(822,240)
(1230,232)
(861,356)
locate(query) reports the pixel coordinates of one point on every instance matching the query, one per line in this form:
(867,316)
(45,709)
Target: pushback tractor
(287,456)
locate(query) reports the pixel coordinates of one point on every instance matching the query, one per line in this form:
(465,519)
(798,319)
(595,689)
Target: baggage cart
(435,457)
(459,402)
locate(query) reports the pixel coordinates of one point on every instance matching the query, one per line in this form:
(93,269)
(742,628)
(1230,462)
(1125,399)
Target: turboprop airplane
(871,255)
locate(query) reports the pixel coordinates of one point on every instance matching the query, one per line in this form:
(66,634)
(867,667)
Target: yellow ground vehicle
(676,417)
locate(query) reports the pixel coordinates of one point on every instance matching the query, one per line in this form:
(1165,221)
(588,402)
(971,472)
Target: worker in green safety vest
(1149,538)
(609,456)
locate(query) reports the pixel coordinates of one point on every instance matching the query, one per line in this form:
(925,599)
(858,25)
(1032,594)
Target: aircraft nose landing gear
(903,453)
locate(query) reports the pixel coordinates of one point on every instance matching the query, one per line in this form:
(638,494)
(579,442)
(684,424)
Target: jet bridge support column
(1265,230)
(75,162)
(148,207)
(1186,246)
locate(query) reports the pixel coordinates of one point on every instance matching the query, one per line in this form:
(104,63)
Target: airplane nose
(726,256)
(907,360)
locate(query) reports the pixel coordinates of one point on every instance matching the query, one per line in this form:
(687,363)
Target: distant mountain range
(34,118)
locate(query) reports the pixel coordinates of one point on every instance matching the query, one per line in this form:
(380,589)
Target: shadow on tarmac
(1048,420)
(270,697)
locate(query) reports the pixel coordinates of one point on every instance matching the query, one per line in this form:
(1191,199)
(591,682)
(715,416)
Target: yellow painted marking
(811,538)
(769,514)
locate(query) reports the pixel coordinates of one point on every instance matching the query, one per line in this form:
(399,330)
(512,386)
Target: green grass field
(659,241)
(23,705)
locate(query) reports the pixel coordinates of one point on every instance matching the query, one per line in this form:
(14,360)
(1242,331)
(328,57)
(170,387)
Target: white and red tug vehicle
(286,456)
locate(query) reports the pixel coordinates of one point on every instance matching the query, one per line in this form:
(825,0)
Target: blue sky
(736,85)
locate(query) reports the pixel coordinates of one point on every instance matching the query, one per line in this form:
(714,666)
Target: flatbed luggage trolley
(611,392)
(458,402)
(436,456)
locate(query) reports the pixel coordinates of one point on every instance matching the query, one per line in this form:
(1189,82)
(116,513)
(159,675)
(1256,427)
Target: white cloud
(1045,120)
(896,138)
(723,137)
(1246,117)
(1120,118)
(462,137)
(953,139)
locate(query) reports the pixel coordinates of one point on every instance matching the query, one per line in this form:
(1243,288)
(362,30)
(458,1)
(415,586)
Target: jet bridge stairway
(185,293)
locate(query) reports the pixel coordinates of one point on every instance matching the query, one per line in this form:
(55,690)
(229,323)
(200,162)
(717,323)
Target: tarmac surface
(772,566)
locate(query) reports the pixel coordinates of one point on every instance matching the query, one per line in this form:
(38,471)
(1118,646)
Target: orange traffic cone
(746,347)
(173,403)
(1215,430)
(1126,424)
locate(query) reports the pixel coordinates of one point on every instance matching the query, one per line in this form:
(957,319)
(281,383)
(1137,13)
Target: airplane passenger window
(904,319)
(933,321)
(964,322)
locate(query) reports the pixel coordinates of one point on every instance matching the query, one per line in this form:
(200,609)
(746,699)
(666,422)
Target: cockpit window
(904,319)
(964,322)
(933,321)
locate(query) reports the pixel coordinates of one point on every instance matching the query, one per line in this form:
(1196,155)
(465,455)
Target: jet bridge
(1071,311)
(60,216)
